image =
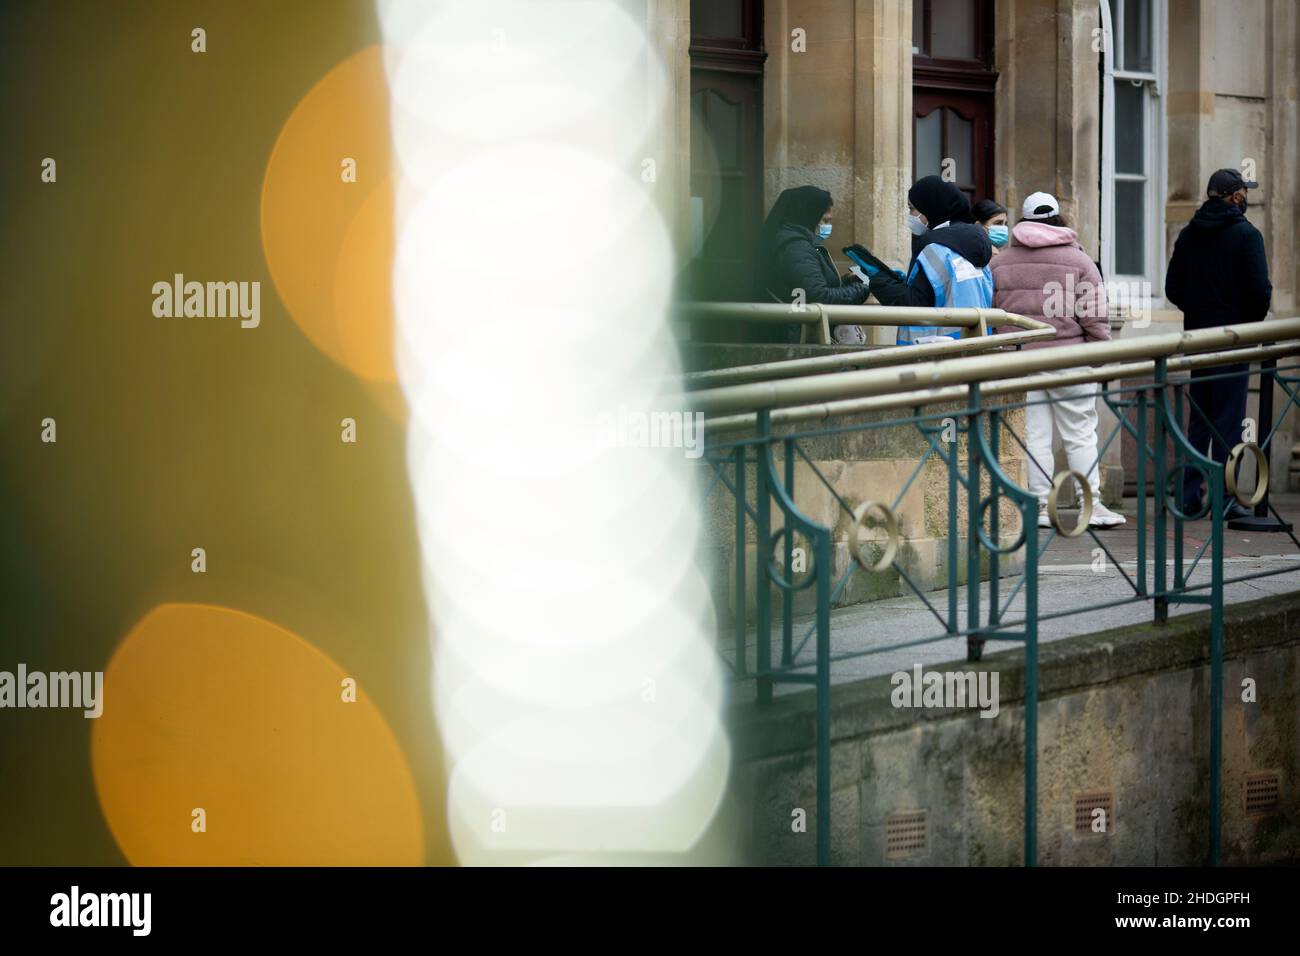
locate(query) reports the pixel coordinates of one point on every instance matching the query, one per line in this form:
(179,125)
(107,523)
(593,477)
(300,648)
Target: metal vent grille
(1084,806)
(906,834)
(1262,792)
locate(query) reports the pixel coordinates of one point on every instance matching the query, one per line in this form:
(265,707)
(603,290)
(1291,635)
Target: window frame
(1155,146)
(975,73)
(742,54)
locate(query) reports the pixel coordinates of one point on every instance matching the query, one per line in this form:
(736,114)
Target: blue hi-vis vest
(957,284)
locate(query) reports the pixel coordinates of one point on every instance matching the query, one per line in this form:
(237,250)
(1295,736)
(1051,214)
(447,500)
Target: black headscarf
(800,206)
(939,201)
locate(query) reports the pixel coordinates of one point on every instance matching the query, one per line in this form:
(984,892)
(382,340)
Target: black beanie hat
(939,201)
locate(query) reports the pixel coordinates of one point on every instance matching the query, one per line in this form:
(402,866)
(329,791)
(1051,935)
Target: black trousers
(1221,403)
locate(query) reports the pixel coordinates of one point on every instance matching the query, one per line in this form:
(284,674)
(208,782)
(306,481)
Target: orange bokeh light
(207,707)
(329,243)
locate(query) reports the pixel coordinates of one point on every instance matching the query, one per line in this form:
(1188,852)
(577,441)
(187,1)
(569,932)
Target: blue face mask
(824,231)
(999,235)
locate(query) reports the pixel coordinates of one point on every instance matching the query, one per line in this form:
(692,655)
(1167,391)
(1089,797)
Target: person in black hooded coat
(790,256)
(1218,275)
(940,214)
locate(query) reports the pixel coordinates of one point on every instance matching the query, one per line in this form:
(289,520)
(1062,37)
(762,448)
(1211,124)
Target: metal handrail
(869,358)
(967,318)
(819,318)
(812,389)
(996,387)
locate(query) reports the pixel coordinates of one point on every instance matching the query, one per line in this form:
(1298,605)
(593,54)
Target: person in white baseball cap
(1046,275)
(1040,206)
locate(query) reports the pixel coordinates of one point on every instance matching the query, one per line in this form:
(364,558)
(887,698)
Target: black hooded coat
(1218,273)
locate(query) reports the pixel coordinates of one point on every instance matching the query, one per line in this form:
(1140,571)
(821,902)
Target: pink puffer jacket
(1046,275)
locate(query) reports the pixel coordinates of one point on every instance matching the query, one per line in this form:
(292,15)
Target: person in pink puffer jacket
(1046,275)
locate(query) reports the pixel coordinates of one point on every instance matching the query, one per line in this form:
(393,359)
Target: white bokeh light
(576,687)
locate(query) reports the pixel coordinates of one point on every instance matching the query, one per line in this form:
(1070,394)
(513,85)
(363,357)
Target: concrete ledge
(788,724)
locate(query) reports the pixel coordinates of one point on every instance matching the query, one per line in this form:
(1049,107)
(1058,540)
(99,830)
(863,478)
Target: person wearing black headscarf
(790,257)
(939,213)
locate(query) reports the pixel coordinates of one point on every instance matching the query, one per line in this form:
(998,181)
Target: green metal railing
(751,422)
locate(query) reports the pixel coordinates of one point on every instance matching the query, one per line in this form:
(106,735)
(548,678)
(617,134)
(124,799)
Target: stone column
(808,101)
(1047,118)
(882,128)
(1282,146)
(1280,176)
(1078,117)
(1189,109)
(837,104)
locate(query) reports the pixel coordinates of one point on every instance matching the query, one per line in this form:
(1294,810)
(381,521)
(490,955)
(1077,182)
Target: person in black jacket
(1218,275)
(791,261)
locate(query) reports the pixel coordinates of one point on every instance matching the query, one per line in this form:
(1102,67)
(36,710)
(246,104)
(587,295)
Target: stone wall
(838,115)
(1122,712)
(1232,98)
(1046,114)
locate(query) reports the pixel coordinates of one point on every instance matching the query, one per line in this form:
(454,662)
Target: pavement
(1074,577)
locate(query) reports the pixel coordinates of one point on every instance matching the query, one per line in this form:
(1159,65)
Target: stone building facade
(1121,108)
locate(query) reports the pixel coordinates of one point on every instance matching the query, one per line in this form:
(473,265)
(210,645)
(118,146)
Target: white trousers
(1073,410)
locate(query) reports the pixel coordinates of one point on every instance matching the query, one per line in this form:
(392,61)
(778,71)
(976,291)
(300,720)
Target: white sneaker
(1103,517)
(1043,520)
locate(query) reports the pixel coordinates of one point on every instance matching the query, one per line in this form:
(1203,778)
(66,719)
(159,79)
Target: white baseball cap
(1040,206)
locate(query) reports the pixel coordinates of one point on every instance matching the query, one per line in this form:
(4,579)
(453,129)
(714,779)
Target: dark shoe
(1236,510)
(1192,508)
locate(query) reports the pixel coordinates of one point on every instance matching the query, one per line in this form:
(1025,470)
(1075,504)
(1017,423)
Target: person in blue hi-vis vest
(950,258)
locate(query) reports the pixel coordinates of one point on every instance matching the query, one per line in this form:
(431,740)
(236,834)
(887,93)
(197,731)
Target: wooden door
(726,144)
(953,133)
(953,82)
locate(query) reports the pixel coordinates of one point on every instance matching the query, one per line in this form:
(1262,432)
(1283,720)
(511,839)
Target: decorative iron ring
(774,571)
(891,529)
(984,538)
(1261,470)
(1053,497)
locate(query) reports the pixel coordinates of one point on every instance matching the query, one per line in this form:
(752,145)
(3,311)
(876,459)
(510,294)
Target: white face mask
(915,225)
(824,231)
